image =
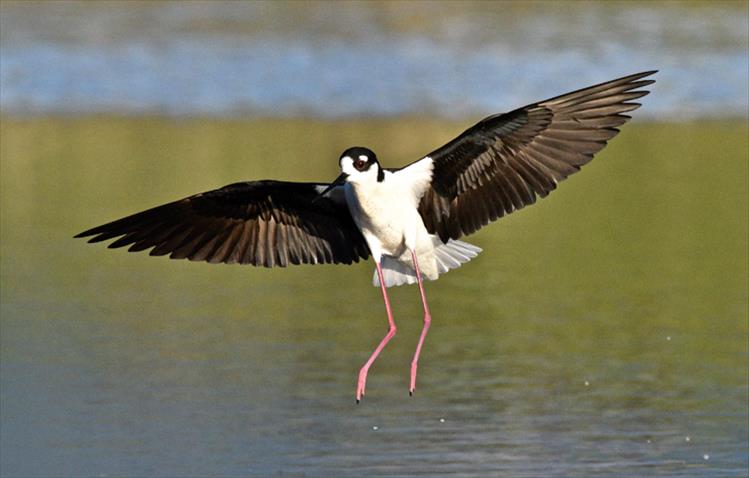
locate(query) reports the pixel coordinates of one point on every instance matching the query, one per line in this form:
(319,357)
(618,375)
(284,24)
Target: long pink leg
(424,329)
(391,333)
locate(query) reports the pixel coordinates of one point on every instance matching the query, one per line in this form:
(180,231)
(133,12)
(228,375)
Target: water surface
(603,332)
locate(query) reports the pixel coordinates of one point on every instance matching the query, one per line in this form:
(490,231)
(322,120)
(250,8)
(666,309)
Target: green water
(602,332)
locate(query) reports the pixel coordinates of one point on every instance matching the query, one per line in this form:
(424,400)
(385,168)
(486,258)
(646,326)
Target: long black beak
(341,179)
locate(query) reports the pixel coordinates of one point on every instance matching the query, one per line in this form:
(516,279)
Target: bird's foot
(361,384)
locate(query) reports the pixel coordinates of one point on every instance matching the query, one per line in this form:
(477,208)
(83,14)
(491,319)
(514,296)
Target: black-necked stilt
(410,219)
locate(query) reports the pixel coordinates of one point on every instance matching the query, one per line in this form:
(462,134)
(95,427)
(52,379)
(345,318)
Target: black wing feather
(263,223)
(505,161)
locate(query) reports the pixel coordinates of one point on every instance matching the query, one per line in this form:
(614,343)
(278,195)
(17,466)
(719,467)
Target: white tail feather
(447,256)
(394,272)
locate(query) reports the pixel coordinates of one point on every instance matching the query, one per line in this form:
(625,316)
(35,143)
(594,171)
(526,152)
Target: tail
(447,256)
(453,254)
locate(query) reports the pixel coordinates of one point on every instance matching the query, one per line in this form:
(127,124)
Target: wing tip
(642,74)
(633,105)
(99,238)
(86,233)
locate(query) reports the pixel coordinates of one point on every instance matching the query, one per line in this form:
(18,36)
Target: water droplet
(587,384)
(668,337)
(705,456)
(442,420)
(649,441)
(375,428)
(687,439)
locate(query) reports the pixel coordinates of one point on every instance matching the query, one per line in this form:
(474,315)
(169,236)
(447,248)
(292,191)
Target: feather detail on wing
(263,223)
(505,161)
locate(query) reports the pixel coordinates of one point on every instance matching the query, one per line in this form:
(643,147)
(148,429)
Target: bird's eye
(359,164)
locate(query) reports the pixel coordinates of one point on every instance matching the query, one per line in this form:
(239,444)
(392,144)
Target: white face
(359,169)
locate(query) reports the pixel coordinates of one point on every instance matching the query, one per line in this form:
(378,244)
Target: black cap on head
(357,151)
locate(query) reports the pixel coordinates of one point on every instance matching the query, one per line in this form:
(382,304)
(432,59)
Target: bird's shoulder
(413,179)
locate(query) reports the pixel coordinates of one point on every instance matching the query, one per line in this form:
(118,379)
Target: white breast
(387,211)
(384,213)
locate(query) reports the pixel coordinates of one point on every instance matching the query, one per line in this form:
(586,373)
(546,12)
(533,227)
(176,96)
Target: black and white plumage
(409,219)
(262,223)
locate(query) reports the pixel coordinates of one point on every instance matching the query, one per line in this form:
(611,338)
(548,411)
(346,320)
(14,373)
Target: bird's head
(358,165)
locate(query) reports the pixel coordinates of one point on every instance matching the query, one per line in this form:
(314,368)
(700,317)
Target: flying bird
(409,219)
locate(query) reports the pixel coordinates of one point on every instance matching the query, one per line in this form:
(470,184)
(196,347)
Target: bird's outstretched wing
(263,223)
(503,162)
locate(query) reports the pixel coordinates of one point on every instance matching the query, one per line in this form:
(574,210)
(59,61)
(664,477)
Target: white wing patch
(416,178)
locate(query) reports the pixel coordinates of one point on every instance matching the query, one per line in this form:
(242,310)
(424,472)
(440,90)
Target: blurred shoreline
(637,115)
(358,59)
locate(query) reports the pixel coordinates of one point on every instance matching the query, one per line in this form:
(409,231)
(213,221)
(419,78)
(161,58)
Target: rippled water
(602,332)
(338,59)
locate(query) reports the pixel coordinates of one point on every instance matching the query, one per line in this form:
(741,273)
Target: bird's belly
(383,222)
(388,231)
